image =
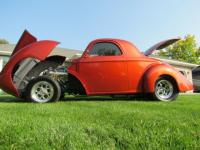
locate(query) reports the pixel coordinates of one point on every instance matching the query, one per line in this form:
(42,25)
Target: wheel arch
(79,79)
(158,71)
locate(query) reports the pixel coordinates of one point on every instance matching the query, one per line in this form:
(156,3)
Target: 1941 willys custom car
(106,67)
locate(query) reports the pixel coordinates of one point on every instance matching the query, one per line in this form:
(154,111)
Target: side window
(105,49)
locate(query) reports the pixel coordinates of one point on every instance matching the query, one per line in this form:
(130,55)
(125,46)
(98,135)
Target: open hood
(25,39)
(160,46)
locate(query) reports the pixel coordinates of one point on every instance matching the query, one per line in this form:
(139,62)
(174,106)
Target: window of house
(105,49)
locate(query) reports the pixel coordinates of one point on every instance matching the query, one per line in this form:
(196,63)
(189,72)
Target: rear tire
(43,89)
(165,89)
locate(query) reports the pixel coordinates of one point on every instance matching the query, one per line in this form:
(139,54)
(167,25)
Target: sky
(75,23)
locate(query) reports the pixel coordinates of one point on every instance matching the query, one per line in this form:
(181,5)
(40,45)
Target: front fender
(156,71)
(37,50)
(75,74)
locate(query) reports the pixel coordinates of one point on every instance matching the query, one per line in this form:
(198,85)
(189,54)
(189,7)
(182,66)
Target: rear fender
(37,50)
(156,71)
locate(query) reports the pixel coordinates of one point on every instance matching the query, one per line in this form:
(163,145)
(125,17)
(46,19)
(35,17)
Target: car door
(104,69)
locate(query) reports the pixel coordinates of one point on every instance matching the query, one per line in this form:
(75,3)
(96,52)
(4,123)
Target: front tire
(165,89)
(43,89)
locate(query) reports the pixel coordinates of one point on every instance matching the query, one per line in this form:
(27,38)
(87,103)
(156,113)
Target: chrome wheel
(164,90)
(42,92)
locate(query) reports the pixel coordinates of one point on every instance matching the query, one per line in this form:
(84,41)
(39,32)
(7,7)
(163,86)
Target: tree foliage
(3,41)
(186,50)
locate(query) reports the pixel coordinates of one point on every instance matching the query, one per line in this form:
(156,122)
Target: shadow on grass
(12,99)
(107,98)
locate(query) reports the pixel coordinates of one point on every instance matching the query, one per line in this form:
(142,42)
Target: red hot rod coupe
(106,67)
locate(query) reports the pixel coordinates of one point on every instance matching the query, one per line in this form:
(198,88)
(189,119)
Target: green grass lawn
(100,123)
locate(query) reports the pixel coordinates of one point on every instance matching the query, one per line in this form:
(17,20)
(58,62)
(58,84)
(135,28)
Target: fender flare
(158,70)
(75,74)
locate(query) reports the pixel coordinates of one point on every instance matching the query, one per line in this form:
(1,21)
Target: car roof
(129,48)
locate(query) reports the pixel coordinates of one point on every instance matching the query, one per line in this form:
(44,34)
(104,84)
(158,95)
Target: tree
(186,50)
(3,41)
